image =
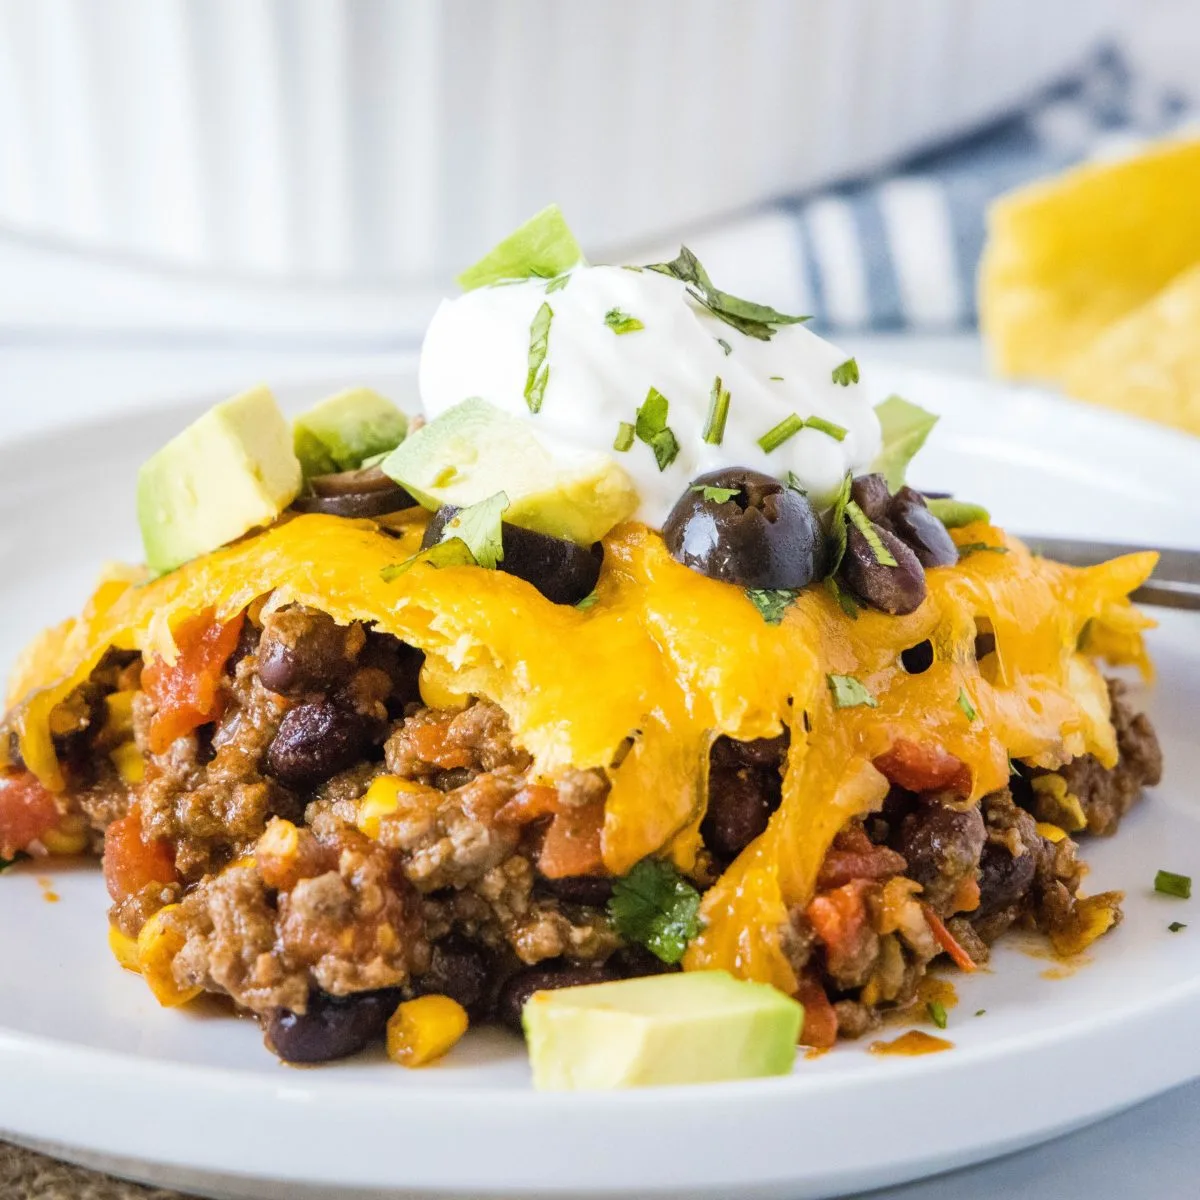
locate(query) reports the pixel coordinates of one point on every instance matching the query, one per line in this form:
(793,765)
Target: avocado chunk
(230,471)
(343,431)
(473,450)
(694,1027)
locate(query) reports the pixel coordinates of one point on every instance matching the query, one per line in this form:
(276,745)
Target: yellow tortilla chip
(1148,362)
(1067,256)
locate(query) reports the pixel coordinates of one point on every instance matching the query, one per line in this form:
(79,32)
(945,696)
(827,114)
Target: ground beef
(476,739)
(131,913)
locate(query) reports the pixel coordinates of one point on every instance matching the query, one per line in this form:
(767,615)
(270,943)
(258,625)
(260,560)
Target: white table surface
(1152,1150)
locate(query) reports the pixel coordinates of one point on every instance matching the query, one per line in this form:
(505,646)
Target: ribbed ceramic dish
(367,140)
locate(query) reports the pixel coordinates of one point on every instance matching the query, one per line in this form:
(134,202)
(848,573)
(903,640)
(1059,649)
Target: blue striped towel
(898,251)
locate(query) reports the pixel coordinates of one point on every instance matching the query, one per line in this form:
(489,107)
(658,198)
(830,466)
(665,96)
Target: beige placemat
(28,1176)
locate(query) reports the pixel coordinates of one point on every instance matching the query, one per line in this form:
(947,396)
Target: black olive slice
(352,483)
(561,570)
(356,504)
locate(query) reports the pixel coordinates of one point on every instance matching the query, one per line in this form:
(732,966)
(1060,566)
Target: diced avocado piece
(341,432)
(542,248)
(693,1027)
(230,471)
(473,450)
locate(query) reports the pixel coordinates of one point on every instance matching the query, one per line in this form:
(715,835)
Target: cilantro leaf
(621,322)
(846,373)
(656,907)
(452,553)
(725,346)
(715,495)
(589,601)
(772,603)
(845,600)
(543,248)
(904,427)
(480,527)
(652,429)
(538,374)
(754,320)
(557,284)
(883,556)
(977,547)
(793,481)
(956,513)
(849,693)
(837,524)
(964,702)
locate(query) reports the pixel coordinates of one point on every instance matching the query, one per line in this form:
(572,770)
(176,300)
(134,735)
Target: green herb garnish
(480,527)
(622,322)
(837,524)
(624,439)
(845,600)
(964,702)
(725,346)
(823,426)
(652,429)
(849,693)
(656,907)
(774,438)
(557,285)
(452,553)
(543,248)
(956,513)
(937,1013)
(793,481)
(771,603)
(777,378)
(1176,926)
(980,547)
(904,427)
(538,374)
(883,556)
(589,601)
(718,413)
(5,863)
(754,320)
(1170,884)
(846,373)
(715,495)
(979,1012)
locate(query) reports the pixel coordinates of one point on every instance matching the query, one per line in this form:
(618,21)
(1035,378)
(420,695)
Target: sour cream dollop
(479,345)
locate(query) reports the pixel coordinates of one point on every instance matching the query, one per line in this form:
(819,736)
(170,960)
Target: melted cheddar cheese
(641,683)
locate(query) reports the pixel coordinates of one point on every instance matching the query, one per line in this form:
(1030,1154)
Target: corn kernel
(381,800)
(131,767)
(71,837)
(124,948)
(438,693)
(119,721)
(157,946)
(1052,833)
(422,1030)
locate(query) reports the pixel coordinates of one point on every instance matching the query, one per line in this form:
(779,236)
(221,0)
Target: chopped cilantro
(622,322)
(1176,927)
(557,285)
(964,702)
(904,428)
(837,524)
(777,378)
(956,513)
(716,495)
(453,553)
(624,439)
(937,1013)
(589,601)
(845,600)
(725,346)
(480,527)
(846,373)
(538,374)
(980,547)
(543,248)
(652,428)
(775,437)
(754,320)
(883,556)
(1170,884)
(718,413)
(849,693)
(772,603)
(979,1012)
(793,481)
(656,907)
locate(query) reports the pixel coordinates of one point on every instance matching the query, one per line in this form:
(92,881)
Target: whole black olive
(870,493)
(920,529)
(333,1027)
(561,570)
(363,493)
(765,535)
(896,590)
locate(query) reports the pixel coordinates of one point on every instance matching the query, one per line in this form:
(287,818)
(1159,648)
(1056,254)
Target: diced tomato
(854,856)
(948,941)
(187,693)
(840,919)
(27,811)
(920,767)
(431,744)
(132,862)
(572,842)
(820,1019)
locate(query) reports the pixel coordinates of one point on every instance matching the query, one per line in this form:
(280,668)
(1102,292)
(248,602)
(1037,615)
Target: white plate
(91,1067)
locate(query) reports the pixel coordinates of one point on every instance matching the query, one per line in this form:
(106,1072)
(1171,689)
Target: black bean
(301,652)
(594,890)
(765,535)
(1003,879)
(333,1027)
(460,969)
(896,590)
(401,662)
(870,493)
(741,797)
(917,659)
(316,741)
(941,846)
(515,993)
(919,528)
